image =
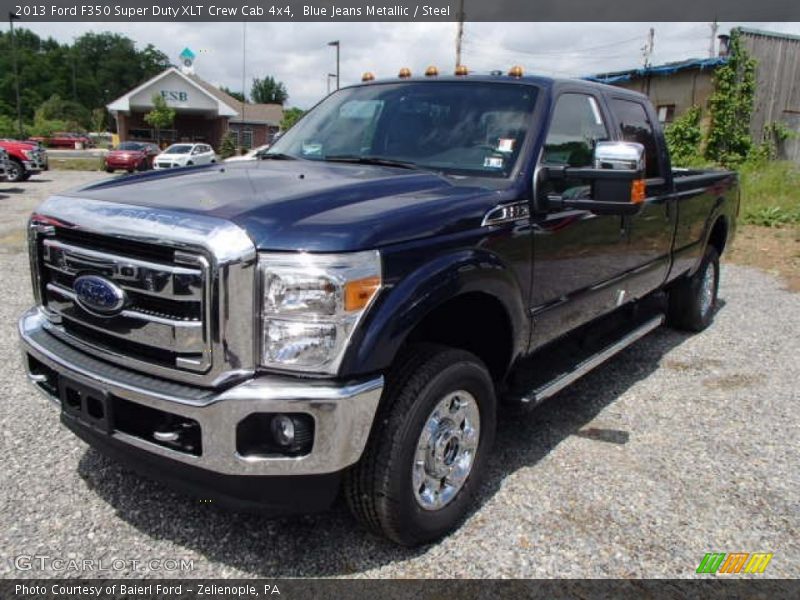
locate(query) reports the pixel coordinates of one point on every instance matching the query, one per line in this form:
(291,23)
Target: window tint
(575,129)
(636,127)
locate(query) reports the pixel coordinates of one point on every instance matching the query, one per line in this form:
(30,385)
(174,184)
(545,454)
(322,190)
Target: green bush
(770,192)
(684,136)
(228,146)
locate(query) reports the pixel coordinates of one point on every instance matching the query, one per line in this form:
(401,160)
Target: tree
(684,136)
(268,91)
(731,106)
(74,115)
(290,117)
(228,146)
(238,95)
(99,119)
(161,116)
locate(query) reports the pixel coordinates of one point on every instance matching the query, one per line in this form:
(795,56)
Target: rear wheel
(428,448)
(693,300)
(109,170)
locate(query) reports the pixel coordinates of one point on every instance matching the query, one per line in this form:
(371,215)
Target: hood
(18,144)
(308,205)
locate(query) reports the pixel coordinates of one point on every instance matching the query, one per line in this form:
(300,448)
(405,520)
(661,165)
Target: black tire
(142,166)
(15,171)
(190,164)
(129,171)
(109,170)
(687,309)
(379,488)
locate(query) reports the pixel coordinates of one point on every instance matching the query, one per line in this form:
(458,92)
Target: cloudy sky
(298,55)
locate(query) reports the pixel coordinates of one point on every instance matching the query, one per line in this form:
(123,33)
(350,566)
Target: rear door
(648,234)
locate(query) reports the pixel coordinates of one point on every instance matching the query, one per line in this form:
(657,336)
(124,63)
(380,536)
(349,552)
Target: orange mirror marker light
(404,73)
(367,76)
(359,292)
(638,191)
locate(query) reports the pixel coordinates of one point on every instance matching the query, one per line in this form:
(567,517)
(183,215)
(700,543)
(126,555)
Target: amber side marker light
(638,191)
(515,71)
(404,73)
(431,71)
(359,292)
(461,70)
(367,76)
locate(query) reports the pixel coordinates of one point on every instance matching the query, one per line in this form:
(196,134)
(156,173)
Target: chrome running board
(552,387)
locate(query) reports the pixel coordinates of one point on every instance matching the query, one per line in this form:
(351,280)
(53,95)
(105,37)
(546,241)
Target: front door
(578,256)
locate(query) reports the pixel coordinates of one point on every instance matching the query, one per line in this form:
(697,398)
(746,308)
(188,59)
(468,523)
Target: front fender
(405,302)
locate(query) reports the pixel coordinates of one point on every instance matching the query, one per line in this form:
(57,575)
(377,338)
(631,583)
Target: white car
(253,154)
(185,155)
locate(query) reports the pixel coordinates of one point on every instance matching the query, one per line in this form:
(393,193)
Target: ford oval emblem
(98,295)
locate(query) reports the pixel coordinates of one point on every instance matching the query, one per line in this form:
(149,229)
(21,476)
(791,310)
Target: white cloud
(298,54)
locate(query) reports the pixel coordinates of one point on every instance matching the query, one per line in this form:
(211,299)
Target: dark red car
(65,140)
(131,156)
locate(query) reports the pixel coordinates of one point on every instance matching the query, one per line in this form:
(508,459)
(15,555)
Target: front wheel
(693,300)
(15,171)
(427,452)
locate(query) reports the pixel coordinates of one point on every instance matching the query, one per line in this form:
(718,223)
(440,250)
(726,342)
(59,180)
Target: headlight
(311,304)
(27,154)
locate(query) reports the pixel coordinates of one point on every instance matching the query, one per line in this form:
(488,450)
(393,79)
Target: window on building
(636,127)
(666,113)
(247,138)
(235,135)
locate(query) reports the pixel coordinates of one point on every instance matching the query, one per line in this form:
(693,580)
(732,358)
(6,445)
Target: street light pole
(336,43)
(11,18)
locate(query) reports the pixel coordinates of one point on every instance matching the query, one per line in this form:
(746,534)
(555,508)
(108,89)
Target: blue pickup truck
(350,312)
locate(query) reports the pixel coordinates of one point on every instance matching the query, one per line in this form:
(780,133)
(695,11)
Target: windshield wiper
(277,156)
(371,160)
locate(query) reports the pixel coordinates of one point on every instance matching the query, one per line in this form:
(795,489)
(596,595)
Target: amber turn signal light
(638,191)
(404,73)
(359,292)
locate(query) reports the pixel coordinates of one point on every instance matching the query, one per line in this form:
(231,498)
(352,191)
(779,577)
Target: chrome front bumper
(342,412)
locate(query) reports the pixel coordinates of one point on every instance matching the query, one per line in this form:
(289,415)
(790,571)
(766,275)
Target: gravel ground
(679,446)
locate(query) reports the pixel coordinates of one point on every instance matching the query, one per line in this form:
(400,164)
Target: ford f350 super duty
(351,312)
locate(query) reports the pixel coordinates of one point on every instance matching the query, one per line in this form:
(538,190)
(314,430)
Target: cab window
(635,126)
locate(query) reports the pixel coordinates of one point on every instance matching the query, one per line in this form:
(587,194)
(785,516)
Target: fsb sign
(175,96)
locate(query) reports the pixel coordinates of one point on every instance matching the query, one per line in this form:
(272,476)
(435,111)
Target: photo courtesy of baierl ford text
(341,299)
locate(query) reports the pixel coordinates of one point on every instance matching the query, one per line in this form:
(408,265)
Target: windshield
(129,146)
(454,127)
(179,149)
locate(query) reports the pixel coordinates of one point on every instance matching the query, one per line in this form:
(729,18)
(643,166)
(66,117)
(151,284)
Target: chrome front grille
(164,317)
(188,282)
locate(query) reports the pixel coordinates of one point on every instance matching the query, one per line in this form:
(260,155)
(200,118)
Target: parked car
(352,311)
(130,157)
(253,154)
(65,140)
(185,155)
(24,159)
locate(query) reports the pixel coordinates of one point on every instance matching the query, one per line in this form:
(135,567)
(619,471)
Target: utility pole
(647,49)
(460,34)
(11,18)
(244,65)
(711,51)
(336,43)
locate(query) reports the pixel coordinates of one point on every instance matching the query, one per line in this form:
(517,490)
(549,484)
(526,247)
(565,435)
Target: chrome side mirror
(627,156)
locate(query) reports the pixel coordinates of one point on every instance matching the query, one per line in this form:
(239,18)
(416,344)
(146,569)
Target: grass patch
(76,164)
(770,193)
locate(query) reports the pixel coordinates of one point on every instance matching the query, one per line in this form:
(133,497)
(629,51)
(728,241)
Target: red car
(131,156)
(24,159)
(65,140)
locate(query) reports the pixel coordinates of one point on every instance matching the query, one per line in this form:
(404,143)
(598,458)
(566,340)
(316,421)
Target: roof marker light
(367,77)
(461,70)
(515,71)
(431,71)
(404,73)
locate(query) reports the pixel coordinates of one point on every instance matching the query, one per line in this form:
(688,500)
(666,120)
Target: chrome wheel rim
(707,289)
(446,450)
